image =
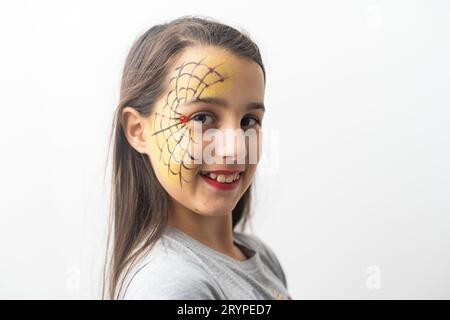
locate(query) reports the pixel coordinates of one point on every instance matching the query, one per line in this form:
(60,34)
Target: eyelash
(258,121)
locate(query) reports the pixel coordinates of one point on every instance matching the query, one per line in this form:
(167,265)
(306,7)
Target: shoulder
(167,275)
(267,254)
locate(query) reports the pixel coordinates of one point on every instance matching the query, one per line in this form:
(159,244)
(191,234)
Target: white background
(357,204)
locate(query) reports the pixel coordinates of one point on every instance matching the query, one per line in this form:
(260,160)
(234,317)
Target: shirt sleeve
(267,252)
(277,264)
(170,280)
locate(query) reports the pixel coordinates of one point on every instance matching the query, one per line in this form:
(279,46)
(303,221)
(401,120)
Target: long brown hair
(139,204)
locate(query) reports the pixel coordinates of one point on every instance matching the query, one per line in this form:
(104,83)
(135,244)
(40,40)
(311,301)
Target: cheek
(253,147)
(250,173)
(170,151)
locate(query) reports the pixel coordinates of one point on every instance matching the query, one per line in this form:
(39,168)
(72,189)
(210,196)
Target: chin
(215,211)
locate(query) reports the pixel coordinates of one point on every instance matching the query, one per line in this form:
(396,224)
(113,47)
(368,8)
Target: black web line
(175,115)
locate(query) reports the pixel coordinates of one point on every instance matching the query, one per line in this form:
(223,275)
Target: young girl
(176,200)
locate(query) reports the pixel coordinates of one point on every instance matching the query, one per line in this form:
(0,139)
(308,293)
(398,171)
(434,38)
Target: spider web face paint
(173,136)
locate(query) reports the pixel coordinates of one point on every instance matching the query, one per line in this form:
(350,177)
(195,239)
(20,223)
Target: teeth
(224,178)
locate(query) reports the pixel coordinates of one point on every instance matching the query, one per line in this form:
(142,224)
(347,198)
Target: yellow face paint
(171,139)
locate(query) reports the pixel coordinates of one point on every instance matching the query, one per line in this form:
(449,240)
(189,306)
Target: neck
(214,231)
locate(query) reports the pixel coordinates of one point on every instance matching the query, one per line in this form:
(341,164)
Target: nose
(231,147)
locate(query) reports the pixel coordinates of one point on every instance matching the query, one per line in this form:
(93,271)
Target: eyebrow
(224,103)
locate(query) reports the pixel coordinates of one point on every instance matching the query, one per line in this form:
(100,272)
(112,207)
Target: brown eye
(203,117)
(249,121)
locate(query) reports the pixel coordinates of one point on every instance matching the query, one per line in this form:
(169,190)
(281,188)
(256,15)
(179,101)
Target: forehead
(213,72)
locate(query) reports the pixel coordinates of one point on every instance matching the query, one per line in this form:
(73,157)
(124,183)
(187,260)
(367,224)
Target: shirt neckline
(249,264)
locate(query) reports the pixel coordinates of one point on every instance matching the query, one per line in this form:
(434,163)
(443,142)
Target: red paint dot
(183,119)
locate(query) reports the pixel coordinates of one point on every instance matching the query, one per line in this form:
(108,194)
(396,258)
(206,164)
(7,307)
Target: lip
(219,185)
(226,172)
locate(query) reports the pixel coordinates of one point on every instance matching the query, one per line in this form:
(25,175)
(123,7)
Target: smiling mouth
(222,178)
(222,181)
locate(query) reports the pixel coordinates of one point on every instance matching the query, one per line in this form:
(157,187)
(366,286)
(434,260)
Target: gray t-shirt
(181,267)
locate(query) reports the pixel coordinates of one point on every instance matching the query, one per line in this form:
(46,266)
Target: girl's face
(204,135)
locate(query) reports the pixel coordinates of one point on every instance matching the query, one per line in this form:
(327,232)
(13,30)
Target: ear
(135,129)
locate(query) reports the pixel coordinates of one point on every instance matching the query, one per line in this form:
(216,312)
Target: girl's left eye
(247,121)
